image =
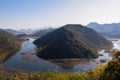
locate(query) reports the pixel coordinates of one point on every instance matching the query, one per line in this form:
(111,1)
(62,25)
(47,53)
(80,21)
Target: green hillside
(8,44)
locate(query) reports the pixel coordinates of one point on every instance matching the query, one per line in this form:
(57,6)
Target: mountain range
(39,32)
(107,30)
(11,31)
(22,31)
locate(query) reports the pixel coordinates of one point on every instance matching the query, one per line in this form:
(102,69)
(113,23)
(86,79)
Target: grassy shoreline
(69,63)
(109,71)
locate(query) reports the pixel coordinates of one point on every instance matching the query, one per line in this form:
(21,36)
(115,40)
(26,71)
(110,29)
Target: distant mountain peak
(72,25)
(93,24)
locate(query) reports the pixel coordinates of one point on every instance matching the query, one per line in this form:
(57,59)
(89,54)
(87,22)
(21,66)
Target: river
(26,60)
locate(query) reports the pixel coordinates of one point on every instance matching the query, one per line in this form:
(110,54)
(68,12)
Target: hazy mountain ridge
(71,41)
(107,30)
(43,32)
(38,32)
(11,31)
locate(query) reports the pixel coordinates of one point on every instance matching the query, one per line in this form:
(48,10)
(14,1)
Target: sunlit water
(34,63)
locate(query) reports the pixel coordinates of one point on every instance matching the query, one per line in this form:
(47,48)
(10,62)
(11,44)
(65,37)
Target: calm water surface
(33,63)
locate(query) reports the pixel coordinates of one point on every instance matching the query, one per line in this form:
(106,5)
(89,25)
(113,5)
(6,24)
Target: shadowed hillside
(71,41)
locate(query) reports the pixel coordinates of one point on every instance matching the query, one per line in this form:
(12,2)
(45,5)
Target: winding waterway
(30,62)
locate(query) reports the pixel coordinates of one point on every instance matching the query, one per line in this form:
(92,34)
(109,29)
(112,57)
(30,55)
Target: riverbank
(52,75)
(31,63)
(109,71)
(69,63)
(10,51)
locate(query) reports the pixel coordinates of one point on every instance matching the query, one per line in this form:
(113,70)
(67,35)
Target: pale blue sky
(19,14)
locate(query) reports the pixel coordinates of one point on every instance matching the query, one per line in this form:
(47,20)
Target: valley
(59,39)
(29,62)
(72,51)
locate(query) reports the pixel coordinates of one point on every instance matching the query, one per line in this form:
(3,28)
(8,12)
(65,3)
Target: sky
(18,14)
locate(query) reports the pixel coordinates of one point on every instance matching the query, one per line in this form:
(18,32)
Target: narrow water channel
(26,60)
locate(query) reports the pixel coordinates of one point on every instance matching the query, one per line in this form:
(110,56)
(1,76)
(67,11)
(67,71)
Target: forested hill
(71,41)
(8,44)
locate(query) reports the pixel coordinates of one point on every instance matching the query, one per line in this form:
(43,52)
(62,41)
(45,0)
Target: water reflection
(69,63)
(30,62)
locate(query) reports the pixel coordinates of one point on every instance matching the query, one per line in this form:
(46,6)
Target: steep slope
(71,41)
(8,44)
